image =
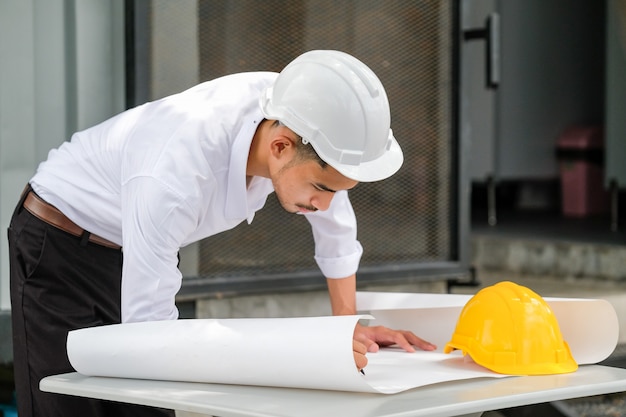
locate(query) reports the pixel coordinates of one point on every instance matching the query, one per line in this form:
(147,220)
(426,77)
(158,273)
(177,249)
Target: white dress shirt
(171,172)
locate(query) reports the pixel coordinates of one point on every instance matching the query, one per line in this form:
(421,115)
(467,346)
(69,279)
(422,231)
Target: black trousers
(59,283)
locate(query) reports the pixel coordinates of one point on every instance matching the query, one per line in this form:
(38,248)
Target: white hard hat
(338,105)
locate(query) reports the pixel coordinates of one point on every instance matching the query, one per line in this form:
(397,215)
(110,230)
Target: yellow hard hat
(509,329)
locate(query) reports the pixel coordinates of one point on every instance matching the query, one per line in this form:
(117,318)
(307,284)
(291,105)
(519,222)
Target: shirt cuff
(340,267)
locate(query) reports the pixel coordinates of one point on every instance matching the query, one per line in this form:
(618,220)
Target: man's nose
(321,201)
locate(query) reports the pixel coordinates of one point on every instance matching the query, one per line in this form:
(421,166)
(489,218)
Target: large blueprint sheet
(316,352)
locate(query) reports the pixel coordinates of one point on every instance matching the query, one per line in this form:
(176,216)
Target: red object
(580,151)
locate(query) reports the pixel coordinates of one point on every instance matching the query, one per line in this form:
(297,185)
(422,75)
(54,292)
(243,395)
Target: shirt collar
(236,197)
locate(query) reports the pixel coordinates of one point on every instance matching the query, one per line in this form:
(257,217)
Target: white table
(458,398)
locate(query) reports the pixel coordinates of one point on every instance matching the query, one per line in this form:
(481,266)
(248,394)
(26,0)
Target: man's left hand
(376,336)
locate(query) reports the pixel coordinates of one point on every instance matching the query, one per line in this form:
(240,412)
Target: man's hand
(371,338)
(342,293)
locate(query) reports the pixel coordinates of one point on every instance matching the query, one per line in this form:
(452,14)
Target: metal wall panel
(411,219)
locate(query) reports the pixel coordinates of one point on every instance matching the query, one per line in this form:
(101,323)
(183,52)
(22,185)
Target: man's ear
(282,146)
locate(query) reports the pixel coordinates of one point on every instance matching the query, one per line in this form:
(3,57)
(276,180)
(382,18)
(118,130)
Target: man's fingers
(384,336)
(407,340)
(366,339)
(373,346)
(419,342)
(369,339)
(359,347)
(359,350)
(401,340)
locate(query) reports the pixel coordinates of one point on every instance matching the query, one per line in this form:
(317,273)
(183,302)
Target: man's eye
(321,187)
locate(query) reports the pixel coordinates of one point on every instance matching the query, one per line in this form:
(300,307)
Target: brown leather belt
(53,216)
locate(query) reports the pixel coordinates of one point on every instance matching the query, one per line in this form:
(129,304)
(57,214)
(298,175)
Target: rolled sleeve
(337,250)
(342,266)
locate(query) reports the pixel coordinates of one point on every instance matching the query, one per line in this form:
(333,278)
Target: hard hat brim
(379,169)
(567,364)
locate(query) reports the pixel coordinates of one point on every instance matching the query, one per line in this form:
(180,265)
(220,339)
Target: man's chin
(291,209)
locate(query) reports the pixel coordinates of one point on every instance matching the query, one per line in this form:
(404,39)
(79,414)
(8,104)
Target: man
(171,172)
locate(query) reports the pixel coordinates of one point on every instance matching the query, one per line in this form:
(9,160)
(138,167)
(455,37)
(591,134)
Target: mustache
(309,208)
